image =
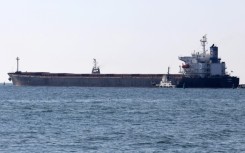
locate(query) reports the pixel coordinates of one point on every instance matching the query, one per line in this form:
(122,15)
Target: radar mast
(203,43)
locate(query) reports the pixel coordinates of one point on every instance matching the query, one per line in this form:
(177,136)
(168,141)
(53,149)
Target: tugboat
(203,70)
(165,83)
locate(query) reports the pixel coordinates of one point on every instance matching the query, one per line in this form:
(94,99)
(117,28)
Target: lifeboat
(186,66)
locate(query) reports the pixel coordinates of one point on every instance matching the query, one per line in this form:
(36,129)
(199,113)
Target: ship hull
(212,82)
(85,80)
(118,80)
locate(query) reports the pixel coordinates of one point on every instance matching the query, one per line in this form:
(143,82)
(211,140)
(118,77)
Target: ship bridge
(203,64)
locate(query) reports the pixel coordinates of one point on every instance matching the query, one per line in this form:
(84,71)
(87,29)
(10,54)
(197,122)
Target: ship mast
(168,73)
(17,59)
(203,43)
(95,63)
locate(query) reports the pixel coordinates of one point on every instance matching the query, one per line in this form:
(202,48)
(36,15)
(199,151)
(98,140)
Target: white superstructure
(165,83)
(203,64)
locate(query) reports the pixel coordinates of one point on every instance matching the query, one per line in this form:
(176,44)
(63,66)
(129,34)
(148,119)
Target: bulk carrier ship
(201,70)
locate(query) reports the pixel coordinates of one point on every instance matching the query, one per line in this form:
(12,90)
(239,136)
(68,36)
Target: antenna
(95,63)
(17,64)
(203,43)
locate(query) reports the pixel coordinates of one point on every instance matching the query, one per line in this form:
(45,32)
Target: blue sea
(108,120)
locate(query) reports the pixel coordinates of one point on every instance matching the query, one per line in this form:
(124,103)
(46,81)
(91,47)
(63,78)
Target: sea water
(75,119)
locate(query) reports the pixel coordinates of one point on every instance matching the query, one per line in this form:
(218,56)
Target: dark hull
(85,80)
(118,80)
(213,82)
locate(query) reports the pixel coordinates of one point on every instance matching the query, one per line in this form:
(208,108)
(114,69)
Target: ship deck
(90,75)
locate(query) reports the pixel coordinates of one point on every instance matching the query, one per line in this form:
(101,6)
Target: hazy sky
(125,36)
